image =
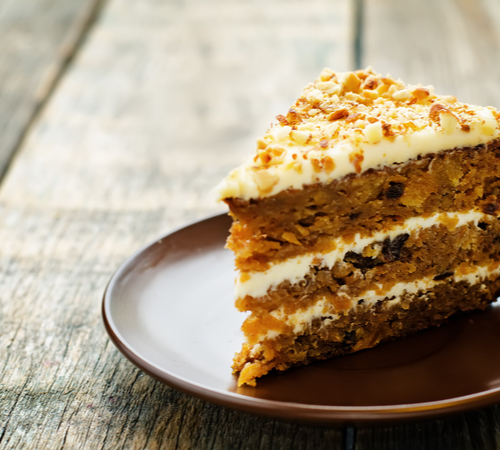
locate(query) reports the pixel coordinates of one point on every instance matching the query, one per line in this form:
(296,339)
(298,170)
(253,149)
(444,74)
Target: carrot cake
(368,212)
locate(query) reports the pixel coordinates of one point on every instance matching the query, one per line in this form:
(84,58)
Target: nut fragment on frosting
(373,133)
(356,113)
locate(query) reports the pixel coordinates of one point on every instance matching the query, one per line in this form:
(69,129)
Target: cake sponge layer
(293,223)
(325,264)
(364,327)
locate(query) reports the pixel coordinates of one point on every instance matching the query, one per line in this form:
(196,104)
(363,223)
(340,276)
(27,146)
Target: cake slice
(368,212)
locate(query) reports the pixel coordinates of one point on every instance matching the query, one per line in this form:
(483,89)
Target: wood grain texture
(161,84)
(38,38)
(471,431)
(164,98)
(453,45)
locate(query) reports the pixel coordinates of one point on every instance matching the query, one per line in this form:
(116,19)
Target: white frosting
(299,319)
(324,309)
(241,182)
(294,269)
(351,122)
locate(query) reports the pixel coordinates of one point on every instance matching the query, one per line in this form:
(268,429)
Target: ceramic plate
(169,310)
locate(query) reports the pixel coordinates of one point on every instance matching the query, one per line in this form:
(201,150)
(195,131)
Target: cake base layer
(363,327)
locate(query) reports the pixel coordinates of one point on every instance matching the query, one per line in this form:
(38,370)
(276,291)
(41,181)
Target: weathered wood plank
(472,431)
(213,81)
(453,45)
(164,98)
(38,40)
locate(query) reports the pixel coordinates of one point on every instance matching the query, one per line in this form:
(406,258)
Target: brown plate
(169,309)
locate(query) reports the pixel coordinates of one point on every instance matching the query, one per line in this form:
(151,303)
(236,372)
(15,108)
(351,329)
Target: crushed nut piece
(351,83)
(387,130)
(265,180)
(421,93)
(448,121)
(402,95)
(370,83)
(435,111)
(265,157)
(352,117)
(293,117)
(373,133)
(325,163)
(356,159)
(281,119)
(339,114)
(301,137)
(328,86)
(261,144)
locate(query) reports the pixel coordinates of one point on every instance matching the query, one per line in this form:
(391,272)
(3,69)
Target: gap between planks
(68,49)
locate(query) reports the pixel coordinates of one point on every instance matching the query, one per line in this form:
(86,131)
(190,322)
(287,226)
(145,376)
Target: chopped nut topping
(314,96)
(351,83)
(421,93)
(328,86)
(372,95)
(265,157)
(326,75)
(325,163)
(297,166)
(373,133)
(344,123)
(293,117)
(386,130)
(301,137)
(435,111)
(402,95)
(370,83)
(357,159)
(339,114)
(277,151)
(488,129)
(282,119)
(352,117)
(448,121)
(265,180)
(261,144)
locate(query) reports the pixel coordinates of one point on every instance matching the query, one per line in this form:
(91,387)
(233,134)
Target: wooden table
(117,119)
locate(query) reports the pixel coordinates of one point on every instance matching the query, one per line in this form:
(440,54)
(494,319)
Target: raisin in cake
(368,212)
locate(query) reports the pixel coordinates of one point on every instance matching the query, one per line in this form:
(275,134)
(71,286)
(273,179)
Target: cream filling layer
(301,319)
(246,181)
(256,284)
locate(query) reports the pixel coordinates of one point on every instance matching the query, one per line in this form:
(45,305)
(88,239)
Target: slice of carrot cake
(368,212)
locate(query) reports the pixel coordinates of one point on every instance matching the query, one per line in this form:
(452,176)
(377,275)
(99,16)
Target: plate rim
(298,412)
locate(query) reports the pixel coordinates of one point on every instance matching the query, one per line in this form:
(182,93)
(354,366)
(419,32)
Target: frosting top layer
(350,122)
